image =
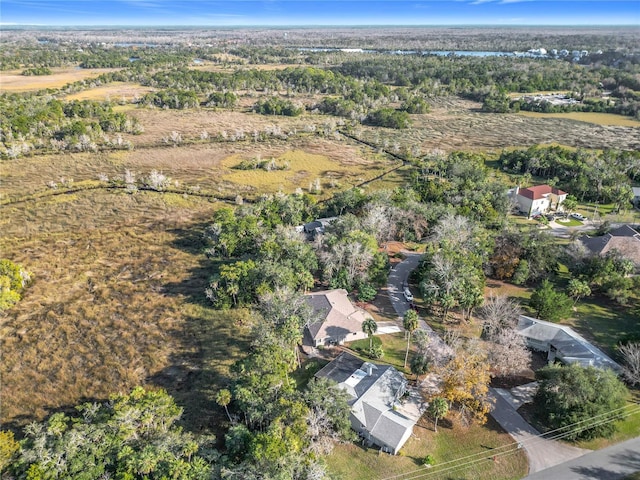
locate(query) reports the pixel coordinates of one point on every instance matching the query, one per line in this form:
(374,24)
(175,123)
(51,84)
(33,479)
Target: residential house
(562,343)
(336,319)
(539,199)
(382,412)
(624,239)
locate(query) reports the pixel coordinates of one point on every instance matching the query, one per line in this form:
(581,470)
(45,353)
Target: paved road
(611,463)
(395,285)
(543,453)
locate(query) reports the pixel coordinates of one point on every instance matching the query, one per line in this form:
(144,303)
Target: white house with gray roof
(562,343)
(381,413)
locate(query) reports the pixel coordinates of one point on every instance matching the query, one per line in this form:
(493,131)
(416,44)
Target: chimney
(369,369)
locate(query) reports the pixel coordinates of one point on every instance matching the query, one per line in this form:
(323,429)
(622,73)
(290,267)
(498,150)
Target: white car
(407,295)
(577,216)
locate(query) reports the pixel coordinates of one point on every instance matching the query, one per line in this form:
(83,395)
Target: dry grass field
(12,80)
(118,297)
(115,91)
(117,301)
(589,117)
(455,124)
(160,123)
(337,163)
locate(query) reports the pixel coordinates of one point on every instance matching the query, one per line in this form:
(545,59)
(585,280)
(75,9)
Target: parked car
(407,295)
(577,216)
(550,216)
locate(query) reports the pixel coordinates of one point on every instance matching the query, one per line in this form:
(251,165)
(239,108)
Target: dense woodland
(454,206)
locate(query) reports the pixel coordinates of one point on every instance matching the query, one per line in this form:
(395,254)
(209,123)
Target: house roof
(335,314)
(636,191)
(570,346)
(539,191)
(624,239)
(374,391)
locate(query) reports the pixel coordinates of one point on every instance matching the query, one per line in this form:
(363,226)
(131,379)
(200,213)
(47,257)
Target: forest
(158,193)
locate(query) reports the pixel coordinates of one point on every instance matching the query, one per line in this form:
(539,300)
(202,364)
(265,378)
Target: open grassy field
(115,91)
(117,301)
(452,447)
(12,80)
(159,123)
(456,124)
(338,164)
(589,117)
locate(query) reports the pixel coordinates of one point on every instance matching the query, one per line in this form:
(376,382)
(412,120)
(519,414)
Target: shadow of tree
(206,341)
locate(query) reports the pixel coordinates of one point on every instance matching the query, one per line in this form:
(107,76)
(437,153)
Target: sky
(326,12)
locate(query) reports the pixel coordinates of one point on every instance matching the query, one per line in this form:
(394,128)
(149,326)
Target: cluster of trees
(588,174)
(389,117)
(608,275)
(580,402)
(32,122)
(451,272)
(131,436)
(13,280)
(36,71)
(629,107)
(278,106)
(463,180)
(278,430)
(171,98)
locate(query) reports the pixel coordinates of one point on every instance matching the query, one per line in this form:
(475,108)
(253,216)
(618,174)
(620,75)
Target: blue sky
(327,12)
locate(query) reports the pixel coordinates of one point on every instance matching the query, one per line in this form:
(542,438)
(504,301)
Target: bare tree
(631,355)
(498,313)
(508,353)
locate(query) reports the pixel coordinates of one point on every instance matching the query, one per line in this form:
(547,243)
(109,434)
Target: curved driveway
(398,278)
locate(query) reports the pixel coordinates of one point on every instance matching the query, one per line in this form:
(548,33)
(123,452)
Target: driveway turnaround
(611,463)
(542,452)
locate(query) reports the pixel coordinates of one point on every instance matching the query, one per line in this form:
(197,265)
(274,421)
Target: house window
(355,333)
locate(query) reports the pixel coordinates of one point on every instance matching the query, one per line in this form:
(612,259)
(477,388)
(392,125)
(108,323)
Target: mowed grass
(460,453)
(394,346)
(14,82)
(115,91)
(117,301)
(589,117)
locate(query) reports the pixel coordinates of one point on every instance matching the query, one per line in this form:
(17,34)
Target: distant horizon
(327,13)
(292,26)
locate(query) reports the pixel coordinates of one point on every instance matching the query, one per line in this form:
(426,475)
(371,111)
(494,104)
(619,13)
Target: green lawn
(569,222)
(460,453)
(394,346)
(604,322)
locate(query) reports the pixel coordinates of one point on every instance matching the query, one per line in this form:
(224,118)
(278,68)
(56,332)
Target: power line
(508,452)
(557,434)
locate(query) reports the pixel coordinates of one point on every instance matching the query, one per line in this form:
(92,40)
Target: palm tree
(438,408)
(369,326)
(223,399)
(410,323)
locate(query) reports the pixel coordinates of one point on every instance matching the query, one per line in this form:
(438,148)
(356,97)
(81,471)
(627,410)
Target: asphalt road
(611,463)
(396,281)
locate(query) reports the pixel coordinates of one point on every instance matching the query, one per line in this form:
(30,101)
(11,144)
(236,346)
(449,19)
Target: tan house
(337,320)
(539,199)
(624,239)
